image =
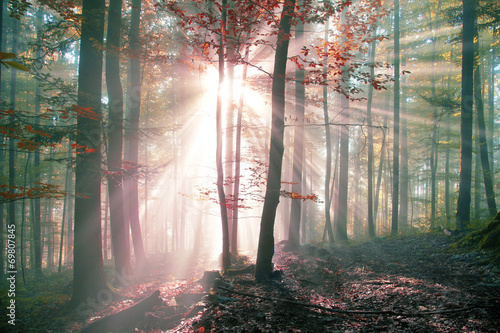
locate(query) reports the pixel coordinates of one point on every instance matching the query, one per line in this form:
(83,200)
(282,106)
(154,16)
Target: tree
(371,221)
(328,167)
(343,188)
(118,222)
(464,193)
(133,109)
(88,270)
(265,251)
(395,152)
(36,211)
(298,143)
(226,262)
(483,144)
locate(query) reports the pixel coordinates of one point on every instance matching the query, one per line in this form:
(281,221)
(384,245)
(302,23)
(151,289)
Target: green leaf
(17,66)
(6,55)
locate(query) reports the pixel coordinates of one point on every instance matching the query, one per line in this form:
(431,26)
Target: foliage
(10,63)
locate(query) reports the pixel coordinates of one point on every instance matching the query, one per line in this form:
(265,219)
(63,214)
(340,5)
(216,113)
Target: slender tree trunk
(395,165)
(237,160)
(328,167)
(405,177)
(379,177)
(491,105)
(133,110)
(24,213)
(67,180)
(264,266)
(226,260)
(105,236)
(88,270)
(69,202)
(342,198)
(298,143)
(478,193)
(464,193)
(12,141)
(483,145)
(371,220)
(118,222)
(229,160)
(343,189)
(51,230)
(36,213)
(447,195)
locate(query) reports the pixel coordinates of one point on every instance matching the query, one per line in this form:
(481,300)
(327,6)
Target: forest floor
(404,284)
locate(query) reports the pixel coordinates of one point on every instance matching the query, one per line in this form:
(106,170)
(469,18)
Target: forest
(249,166)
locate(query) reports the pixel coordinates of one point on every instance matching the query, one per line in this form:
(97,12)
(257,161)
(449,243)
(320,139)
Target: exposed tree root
(124,318)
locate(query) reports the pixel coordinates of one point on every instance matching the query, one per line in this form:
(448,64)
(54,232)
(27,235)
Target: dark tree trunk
(483,145)
(118,222)
(464,193)
(88,270)
(264,266)
(132,132)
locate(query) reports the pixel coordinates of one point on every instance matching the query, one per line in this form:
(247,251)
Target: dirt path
(412,284)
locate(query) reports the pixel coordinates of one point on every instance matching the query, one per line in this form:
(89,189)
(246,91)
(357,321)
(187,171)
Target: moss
(487,238)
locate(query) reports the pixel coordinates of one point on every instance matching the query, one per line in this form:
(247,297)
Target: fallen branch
(355,312)
(124,318)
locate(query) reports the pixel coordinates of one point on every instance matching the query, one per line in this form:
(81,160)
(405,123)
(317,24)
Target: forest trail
(408,276)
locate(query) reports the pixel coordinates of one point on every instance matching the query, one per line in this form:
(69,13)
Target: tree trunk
(491,105)
(395,165)
(342,198)
(12,143)
(88,270)
(379,177)
(70,203)
(447,195)
(36,218)
(133,110)
(226,261)
(118,223)
(237,159)
(343,189)
(328,167)
(464,193)
(264,266)
(483,144)
(298,144)
(371,220)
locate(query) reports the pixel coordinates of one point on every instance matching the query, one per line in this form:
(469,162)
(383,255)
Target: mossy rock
(487,238)
(491,241)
